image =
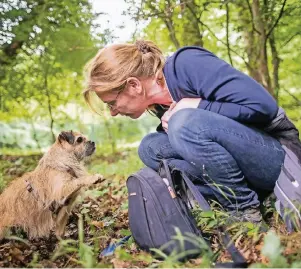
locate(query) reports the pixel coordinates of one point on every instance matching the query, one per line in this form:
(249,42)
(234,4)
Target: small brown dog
(42,200)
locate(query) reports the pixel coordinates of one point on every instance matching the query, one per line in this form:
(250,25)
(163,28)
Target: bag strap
(204,205)
(238,260)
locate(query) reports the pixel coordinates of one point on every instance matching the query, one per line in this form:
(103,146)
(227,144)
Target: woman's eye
(79,140)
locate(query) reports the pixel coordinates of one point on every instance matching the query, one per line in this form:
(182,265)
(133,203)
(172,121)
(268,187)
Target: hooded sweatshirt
(194,72)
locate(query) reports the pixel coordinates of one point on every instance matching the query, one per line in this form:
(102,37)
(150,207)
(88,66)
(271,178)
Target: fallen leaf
(98,224)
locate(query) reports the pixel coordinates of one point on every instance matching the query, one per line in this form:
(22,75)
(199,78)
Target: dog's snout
(91,143)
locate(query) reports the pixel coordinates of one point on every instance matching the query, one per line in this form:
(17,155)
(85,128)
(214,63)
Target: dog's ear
(66,136)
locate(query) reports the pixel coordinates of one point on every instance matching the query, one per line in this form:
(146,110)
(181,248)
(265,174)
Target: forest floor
(101,218)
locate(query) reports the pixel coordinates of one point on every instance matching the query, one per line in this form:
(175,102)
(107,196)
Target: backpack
(288,191)
(159,208)
(288,185)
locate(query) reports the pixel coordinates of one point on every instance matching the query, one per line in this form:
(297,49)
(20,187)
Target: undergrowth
(101,219)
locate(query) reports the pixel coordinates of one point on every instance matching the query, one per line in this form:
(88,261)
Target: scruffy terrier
(42,200)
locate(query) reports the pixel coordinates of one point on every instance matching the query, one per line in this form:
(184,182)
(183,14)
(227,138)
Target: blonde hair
(112,65)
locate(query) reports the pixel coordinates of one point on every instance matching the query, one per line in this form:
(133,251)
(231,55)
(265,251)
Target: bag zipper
(151,238)
(290,177)
(161,209)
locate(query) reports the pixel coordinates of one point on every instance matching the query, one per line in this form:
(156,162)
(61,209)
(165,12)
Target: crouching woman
(212,118)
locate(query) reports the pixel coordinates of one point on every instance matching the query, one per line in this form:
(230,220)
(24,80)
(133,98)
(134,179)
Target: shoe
(270,200)
(252,215)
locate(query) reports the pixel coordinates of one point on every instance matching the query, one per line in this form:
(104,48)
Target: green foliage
(2,182)
(44,74)
(86,255)
(172,260)
(273,250)
(43,53)
(44,46)
(128,163)
(207,23)
(102,222)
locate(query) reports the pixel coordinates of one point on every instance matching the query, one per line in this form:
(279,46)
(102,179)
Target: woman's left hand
(183,103)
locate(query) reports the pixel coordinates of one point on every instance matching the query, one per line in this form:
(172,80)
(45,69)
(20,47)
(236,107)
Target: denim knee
(145,145)
(155,147)
(179,124)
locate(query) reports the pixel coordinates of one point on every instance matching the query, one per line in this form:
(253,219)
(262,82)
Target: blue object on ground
(109,250)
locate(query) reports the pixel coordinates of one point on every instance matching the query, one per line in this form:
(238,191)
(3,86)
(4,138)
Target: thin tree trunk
(276,64)
(198,34)
(169,24)
(250,38)
(172,34)
(262,52)
(49,106)
(166,16)
(227,32)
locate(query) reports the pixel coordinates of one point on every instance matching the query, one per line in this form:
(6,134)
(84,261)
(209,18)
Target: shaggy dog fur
(42,200)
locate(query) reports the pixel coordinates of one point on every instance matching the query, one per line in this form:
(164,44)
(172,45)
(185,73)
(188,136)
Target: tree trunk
(276,64)
(169,24)
(262,46)
(227,32)
(193,35)
(49,106)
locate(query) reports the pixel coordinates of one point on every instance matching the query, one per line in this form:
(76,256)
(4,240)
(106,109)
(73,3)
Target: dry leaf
(98,224)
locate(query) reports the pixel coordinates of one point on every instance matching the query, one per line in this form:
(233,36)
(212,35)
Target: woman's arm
(223,89)
(255,114)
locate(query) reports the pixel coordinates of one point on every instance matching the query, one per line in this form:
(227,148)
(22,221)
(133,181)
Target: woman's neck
(160,95)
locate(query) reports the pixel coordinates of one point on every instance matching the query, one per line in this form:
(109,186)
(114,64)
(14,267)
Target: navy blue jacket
(195,72)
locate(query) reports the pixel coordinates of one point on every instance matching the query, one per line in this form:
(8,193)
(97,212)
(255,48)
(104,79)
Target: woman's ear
(134,85)
(160,80)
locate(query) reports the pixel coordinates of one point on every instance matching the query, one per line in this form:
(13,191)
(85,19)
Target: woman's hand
(183,103)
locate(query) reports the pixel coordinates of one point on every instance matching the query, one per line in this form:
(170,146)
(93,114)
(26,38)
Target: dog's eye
(79,140)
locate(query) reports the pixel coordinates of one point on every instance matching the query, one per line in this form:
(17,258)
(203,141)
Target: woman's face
(130,101)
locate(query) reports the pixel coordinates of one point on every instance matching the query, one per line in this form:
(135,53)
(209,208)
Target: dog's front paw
(98,178)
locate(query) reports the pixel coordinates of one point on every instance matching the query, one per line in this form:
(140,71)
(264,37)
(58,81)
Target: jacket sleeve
(224,89)
(241,113)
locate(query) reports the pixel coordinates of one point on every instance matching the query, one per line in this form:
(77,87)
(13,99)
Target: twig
(227,32)
(290,39)
(294,97)
(278,19)
(252,18)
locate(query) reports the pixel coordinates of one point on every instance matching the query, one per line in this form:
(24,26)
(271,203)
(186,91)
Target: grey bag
(288,191)
(159,204)
(288,185)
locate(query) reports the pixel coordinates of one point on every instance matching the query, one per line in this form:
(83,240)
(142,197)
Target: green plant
(2,182)
(173,260)
(273,250)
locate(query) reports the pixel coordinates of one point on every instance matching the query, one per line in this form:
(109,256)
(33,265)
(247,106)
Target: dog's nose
(92,142)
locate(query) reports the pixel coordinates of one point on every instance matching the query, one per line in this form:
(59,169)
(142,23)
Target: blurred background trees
(45,44)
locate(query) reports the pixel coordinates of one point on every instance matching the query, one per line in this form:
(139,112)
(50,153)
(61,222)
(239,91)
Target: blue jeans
(227,160)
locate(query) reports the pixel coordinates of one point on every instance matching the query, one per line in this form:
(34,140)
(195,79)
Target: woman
(213,127)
